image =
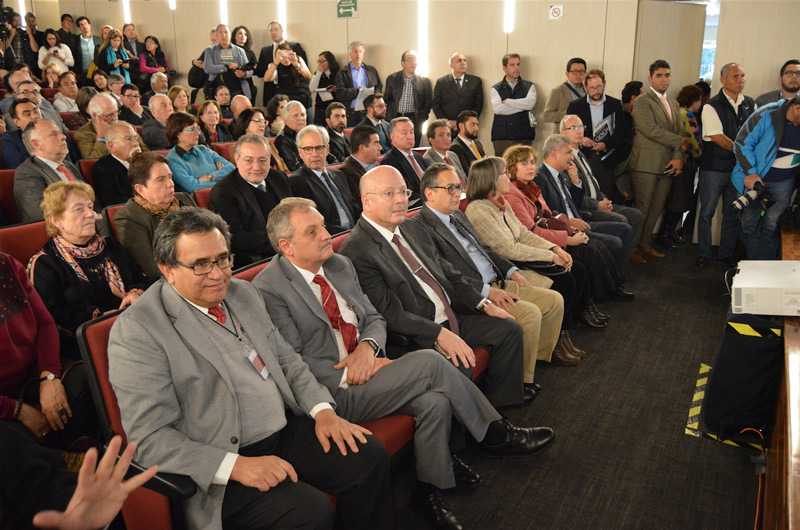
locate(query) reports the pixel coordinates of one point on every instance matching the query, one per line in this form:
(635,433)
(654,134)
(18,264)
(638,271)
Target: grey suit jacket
(432,157)
(30,180)
(302,321)
(176,396)
(658,138)
(769,97)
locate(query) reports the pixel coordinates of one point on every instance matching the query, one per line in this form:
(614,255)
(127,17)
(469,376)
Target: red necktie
(420,272)
(447,161)
(415,165)
(331,308)
(66,172)
(218,314)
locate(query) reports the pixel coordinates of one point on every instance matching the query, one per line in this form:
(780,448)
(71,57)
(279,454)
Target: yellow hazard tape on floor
(693,422)
(744,329)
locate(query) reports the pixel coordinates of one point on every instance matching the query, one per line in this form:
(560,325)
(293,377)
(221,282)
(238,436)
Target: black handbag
(196,77)
(545,268)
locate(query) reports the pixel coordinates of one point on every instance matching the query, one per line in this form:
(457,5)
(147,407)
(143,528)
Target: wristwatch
(374,344)
(483,303)
(49,378)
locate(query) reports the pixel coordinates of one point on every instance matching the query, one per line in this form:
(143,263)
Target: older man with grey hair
(91,138)
(13,80)
(352,79)
(294,119)
(47,146)
(110,173)
(401,157)
(328,188)
(159,84)
(154,131)
(30,90)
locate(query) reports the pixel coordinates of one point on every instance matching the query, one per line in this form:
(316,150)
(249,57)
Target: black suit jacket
(286,144)
(552,196)
(617,141)
(345,93)
(339,146)
(448,102)
(423,96)
(305,183)
(451,249)
(395,292)
(111,181)
(126,114)
(465,154)
(265,57)
(353,171)
(139,48)
(246,209)
(398,160)
(383,124)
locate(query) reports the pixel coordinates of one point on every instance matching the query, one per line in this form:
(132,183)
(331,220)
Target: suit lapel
(49,174)
(392,256)
(303,290)
(449,238)
(243,188)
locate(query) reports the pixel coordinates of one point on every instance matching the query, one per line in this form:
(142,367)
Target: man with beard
(110,172)
(790,84)
(375,108)
(336,120)
(467,146)
(439,137)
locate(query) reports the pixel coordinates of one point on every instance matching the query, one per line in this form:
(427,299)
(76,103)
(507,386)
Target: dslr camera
(758,194)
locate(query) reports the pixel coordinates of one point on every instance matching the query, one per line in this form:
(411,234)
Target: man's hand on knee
(262,472)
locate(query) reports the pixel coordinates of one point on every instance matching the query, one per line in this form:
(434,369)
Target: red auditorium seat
(49,93)
(202,198)
(412,212)
(138,129)
(162,153)
(71,135)
(227,121)
(337,241)
(7,194)
(66,115)
(251,271)
(348,131)
(224,150)
(86,169)
(463,204)
(334,166)
(108,213)
(23,241)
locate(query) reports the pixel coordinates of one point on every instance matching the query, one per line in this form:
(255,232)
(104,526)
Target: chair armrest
(172,486)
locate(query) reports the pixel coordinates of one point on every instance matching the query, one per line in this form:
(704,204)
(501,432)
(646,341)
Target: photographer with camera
(766,150)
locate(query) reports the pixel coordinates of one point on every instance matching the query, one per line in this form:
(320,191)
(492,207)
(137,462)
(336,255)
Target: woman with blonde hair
(112,58)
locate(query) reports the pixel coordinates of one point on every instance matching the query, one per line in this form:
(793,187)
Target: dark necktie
(218,314)
(569,204)
(420,272)
(580,158)
(337,196)
(261,187)
(381,135)
(466,235)
(458,85)
(331,307)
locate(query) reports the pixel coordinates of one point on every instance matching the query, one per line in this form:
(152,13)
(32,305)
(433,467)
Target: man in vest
(512,101)
(723,115)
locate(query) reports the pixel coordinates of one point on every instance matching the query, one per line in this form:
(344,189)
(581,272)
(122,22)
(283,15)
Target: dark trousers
(358,481)
(617,237)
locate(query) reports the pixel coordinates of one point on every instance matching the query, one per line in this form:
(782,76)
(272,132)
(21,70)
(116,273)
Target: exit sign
(347,9)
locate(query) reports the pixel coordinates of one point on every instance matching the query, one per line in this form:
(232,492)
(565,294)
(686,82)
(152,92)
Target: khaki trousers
(650,193)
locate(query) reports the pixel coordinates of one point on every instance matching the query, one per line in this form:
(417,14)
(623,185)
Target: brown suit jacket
(658,138)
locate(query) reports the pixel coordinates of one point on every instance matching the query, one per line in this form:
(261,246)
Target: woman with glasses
(324,77)
(152,60)
(193,166)
(252,121)
(153,198)
(209,118)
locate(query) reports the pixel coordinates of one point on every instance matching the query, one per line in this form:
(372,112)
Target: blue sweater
(186,167)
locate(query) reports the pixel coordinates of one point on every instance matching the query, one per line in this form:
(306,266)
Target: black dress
(296,88)
(603,275)
(319,105)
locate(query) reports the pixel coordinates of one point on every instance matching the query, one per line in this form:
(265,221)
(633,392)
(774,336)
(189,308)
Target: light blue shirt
(359,80)
(597,115)
(87,50)
(366,167)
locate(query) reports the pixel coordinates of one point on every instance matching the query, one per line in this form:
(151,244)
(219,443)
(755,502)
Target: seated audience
(335,123)
(159,84)
(324,77)
(210,122)
(14,152)
(20,72)
(110,173)
(132,110)
(193,166)
(180,100)
(78,119)
(402,158)
(294,119)
(366,148)
(466,144)
(40,391)
(153,198)
(91,137)
(223,97)
(47,164)
(79,274)
(154,131)
(440,138)
(64,101)
(238,104)
(292,75)
(30,90)
(115,84)
(100,81)
(246,196)
(50,76)
(54,52)
(275,113)
(152,61)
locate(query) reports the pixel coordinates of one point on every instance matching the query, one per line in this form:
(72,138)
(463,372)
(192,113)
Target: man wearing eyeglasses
(91,138)
(246,196)
(132,110)
(243,416)
(327,187)
(31,91)
(566,92)
(790,84)
(14,79)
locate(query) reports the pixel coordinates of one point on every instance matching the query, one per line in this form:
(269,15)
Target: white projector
(767,288)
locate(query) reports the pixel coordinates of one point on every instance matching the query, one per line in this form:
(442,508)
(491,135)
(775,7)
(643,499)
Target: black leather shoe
(701,262)
(431,506)
(622,294)
(602,317)
(588,319)
(677,237)
(535,386)
(520,441)
(528,394)
(465,476)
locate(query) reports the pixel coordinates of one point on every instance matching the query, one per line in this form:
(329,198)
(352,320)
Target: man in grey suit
(790,84)
(218,395)
(439,136)
(47,164)
(315,300)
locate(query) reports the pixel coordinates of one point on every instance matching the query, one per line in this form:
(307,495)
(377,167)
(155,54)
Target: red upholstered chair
(337,241)
(348,131)
(162,153)
(49,93)
(463,204)
(66,115)
(227,121)
(157,505)
(71,135)
(271,139)
(7,194)
(108,214)
(203,198)
(334,166)
(23,241)
(224,150)
(86,168)
(414,211)
(138,129)
(251,271)
(380,159)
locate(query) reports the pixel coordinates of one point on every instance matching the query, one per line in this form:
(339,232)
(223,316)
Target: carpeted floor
(621,459)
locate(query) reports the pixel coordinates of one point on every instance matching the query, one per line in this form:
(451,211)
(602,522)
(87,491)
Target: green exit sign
(347,9)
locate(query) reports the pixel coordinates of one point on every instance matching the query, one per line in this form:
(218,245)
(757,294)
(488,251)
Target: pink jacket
(527,212)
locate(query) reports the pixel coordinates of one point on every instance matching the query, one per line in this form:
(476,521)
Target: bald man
(457,91)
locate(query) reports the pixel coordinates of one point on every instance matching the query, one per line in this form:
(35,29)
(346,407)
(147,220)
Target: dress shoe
(653,253)
(519,441)
(528,395)
(535,386)
(602,317)
(429,504)
(663,240)
(566,341)
(622,294)
(701,262)
(562,357)
(636,257)
(465,476)
(587,318)
(731,262)
(678,238)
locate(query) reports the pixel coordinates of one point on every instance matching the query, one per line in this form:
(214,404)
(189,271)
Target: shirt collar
(353,67)
(442,217)
(657,93)
(466,140)
(366,167)
(256,185)
(124,163)
(553,172)
(734,103)
(307,275)
(202,309)
(386,234)
(52,165)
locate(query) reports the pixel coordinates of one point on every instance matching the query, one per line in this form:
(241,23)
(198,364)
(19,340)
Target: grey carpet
(621,459)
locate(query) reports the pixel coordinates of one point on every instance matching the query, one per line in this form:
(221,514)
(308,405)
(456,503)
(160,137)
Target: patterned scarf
(530,190)
(70,252)
(155,211)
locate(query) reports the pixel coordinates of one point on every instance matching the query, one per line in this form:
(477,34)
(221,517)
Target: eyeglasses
(575,128)
(792,73)
(201,268)
(389,195)
(452,189)
(30,92)
(577,71)
(132,96)
(320,61)
(192,129)
(110,115)
(257,120)
(314,148)
(382,106)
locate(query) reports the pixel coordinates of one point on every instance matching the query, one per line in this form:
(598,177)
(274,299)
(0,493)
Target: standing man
(356,76)
(402,158)
(409,95)
(223,61)
(267,56)
(766,151)
(243,413)
(366,151)
(135,47)
(65,34)
(327,187)
(467,146)
(439,137)
(336,122)
(25,43)
(85,46)
(566,92)
(375,117)
(657,153)
(790,84)
(456,92)
(605,121)
(723,116)
(512,101)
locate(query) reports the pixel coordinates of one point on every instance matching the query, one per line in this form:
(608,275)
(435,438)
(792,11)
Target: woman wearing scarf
(112,57)
(79,274)
(153,198)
